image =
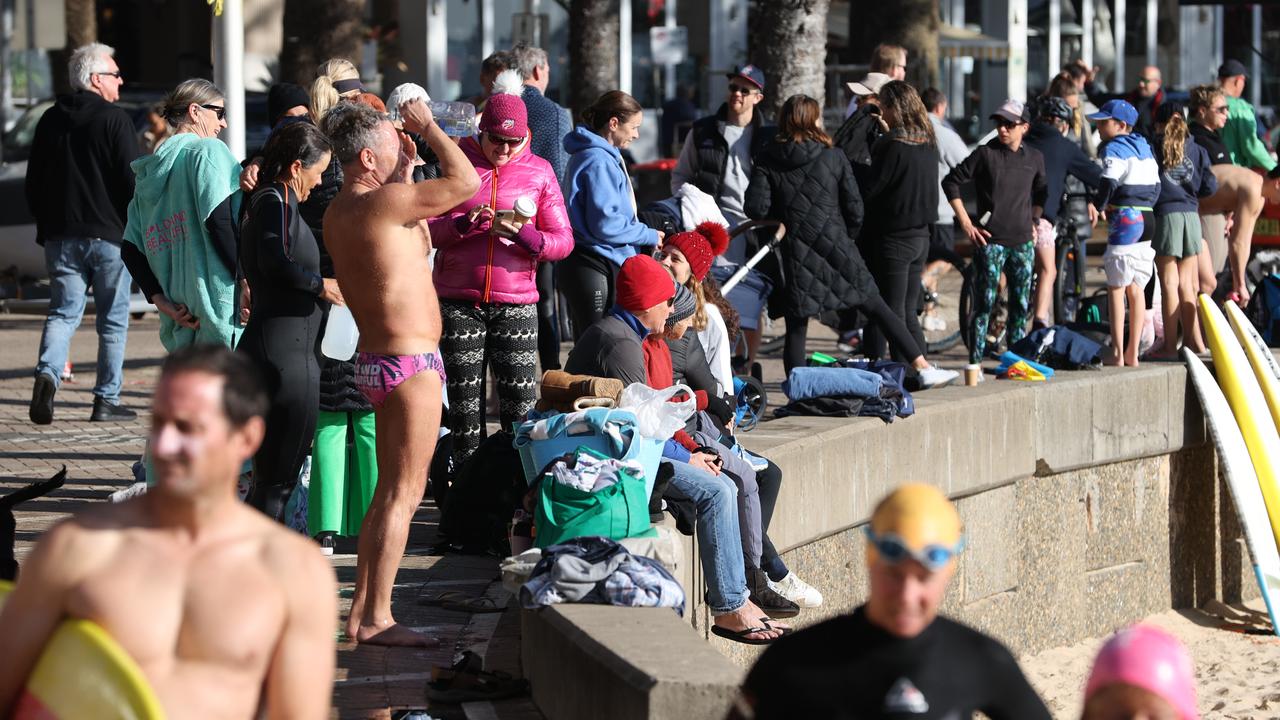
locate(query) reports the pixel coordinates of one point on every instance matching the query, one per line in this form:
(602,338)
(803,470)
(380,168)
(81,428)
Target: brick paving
(371,682)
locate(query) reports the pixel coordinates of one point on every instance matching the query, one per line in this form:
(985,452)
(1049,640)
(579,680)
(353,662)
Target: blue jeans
(74,264)
(719,542)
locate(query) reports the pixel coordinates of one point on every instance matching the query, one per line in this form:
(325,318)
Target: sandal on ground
(741,635)
(466,682)
(482,604)
(439,599)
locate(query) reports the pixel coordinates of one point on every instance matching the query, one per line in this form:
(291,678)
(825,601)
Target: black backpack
(485,491)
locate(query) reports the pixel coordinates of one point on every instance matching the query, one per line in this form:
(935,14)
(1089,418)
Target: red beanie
(700,246)
(504,111)
(643,283)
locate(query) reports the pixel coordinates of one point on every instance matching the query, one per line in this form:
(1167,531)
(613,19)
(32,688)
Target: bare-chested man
(373,232)
(226,612)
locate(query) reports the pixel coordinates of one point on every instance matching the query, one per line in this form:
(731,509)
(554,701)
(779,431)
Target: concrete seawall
(1089,502)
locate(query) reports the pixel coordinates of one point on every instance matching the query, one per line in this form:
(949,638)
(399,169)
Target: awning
(962,42)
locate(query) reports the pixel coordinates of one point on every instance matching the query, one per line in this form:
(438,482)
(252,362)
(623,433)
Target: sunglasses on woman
(218,110)
(502,141)
(893,550)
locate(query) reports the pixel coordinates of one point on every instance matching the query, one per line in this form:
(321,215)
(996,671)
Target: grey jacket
(609,348)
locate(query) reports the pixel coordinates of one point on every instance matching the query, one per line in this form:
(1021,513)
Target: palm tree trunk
(913,24)
(593,51)
(82,29)
(316,30)
(788,41)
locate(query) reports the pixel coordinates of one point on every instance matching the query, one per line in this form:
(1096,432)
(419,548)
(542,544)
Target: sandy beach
(1237,663)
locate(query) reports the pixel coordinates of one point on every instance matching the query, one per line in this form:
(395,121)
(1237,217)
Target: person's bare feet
(751,616)
(393,635)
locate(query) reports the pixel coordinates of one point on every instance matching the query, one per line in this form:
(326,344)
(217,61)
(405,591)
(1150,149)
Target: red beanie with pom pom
(700,246)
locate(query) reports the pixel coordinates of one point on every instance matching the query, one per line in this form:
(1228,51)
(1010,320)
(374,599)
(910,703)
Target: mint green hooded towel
(178,187)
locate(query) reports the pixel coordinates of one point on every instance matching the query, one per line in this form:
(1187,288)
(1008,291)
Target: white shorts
(1127,265)
(1046,234)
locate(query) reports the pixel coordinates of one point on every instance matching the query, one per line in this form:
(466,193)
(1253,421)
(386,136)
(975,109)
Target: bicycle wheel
(1068,288)
(966,305)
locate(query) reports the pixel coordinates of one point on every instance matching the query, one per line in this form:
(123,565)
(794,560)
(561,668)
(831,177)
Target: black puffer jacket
(856,136)
(338,392)
(811,189)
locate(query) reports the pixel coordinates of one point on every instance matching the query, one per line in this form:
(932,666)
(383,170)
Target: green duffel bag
(618,511)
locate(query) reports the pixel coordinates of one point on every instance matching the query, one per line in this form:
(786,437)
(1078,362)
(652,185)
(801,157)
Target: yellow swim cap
(920,515)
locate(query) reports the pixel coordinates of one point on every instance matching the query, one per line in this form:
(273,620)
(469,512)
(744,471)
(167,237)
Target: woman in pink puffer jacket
(486,267)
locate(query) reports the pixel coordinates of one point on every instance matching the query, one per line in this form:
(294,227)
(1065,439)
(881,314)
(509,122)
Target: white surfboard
(1243,482)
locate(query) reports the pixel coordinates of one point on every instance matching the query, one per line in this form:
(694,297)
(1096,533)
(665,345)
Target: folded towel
(806,383)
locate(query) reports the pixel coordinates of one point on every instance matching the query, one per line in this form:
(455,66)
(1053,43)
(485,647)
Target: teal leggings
(343,474)
(988,262)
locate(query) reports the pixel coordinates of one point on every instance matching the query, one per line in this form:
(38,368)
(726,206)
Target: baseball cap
(1012,110)
(869,85)
(750,73)
(1149,658)
(1231,68)
(1116,110)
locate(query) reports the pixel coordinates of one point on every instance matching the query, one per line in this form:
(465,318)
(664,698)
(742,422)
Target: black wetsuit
(849,668)
(281,261)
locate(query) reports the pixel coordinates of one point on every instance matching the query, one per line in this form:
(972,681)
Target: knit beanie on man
(504,111)
(700,246)
(283,97)
(642,284)
(683,307)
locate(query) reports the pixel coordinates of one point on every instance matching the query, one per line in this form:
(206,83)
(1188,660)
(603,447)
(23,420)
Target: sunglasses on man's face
(1006,124)
(218,110)
(502,141)
(115,75)
(741,89)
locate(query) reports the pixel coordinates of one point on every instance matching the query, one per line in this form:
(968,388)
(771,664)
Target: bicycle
(1070,288)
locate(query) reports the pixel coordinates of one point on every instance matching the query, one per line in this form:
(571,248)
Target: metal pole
(437,48)
(1055,37)
(669,71)
(1118,29)
(486,28)
(956,102)
(1153,38)
(229,71)
(6,68)
(1017,67)
(1255,58)
(1086,37)
(30,54)
(624,46)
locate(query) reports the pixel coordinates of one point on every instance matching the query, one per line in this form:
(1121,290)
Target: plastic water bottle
(340,334)
(456,119)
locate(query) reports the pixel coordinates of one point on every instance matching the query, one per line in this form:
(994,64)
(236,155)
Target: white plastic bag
(657,418)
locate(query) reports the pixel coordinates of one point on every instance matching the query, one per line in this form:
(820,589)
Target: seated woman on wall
(688,257)
(623,345)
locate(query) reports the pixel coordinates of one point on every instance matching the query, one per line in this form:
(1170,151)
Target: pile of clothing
(854,388)
(600,571)
(589,471)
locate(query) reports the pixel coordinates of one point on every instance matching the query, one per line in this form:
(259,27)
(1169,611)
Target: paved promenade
(372,682)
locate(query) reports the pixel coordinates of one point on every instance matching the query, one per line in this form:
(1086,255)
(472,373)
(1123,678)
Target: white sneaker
(797,591)
(932,323)
(935,377)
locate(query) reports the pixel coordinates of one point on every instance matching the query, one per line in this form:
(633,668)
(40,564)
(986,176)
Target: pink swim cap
(1147,658)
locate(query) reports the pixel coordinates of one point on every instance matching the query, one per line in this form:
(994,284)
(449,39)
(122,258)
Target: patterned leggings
(503,336)
(989,262)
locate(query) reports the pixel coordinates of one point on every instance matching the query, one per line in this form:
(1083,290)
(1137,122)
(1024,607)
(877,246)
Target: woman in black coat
(902,206)
(802,181)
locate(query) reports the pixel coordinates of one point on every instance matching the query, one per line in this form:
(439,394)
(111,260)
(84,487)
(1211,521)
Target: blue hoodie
(1130,175)
(598,196)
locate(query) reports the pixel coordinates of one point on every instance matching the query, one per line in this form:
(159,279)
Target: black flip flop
(741,635)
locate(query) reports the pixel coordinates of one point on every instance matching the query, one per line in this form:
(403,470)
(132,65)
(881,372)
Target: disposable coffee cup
(972,374)
(524,210)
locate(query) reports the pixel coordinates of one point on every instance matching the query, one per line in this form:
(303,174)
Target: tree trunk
(913,24)
(82,29)
(787,39)
(317,30)
(593,51)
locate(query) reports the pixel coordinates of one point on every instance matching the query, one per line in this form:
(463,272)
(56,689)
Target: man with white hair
(548,124)
(78,188)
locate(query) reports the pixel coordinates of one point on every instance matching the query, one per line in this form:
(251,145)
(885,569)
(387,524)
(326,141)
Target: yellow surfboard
(82,674)
(1260,357)
(1244,395)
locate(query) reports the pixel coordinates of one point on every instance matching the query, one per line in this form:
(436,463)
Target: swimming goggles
(893,550)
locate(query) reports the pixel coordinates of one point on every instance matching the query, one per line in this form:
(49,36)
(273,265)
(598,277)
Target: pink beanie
(1148,658)
(504,110)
